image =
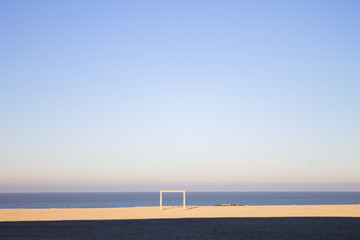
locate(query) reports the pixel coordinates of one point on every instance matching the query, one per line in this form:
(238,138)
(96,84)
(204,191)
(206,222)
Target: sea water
(134,199)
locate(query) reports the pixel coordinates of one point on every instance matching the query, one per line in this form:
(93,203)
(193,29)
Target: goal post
(162,191)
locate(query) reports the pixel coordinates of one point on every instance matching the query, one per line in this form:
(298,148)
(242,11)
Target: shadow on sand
(186,208)
(196,228)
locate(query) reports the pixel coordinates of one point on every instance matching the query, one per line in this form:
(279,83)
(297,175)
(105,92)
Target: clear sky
(195,95)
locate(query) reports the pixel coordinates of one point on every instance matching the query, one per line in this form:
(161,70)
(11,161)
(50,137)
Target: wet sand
(178,212)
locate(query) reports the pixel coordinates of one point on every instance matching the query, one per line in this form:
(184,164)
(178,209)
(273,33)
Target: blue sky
(197,95)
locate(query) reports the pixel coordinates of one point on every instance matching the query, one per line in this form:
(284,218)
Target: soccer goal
(170,191)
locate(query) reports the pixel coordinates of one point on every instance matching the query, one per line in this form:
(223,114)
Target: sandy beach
(185,229)
(239,222)
(178,212)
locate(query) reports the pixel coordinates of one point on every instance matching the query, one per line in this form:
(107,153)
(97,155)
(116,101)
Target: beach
(8,215)
(210,222)
(186,229)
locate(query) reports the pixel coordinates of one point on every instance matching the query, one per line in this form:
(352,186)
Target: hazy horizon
(194,95)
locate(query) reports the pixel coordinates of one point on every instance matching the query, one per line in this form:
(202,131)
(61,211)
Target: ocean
(134,199)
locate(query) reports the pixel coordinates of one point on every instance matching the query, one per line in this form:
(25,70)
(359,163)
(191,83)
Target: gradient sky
(195,95)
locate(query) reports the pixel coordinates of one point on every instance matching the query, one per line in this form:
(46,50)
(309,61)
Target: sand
(240,222)
(194,228)
(9,215)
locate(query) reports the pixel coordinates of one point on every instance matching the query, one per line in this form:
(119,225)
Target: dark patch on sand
(303,228)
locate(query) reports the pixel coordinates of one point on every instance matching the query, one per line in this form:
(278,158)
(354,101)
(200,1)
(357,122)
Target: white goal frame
(162,191)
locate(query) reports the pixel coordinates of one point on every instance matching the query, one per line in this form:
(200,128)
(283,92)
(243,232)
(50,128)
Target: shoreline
(177,212)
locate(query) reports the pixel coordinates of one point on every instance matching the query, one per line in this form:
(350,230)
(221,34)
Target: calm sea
(107,200)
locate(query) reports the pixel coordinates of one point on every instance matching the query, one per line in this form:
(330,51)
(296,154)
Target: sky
(100,96)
